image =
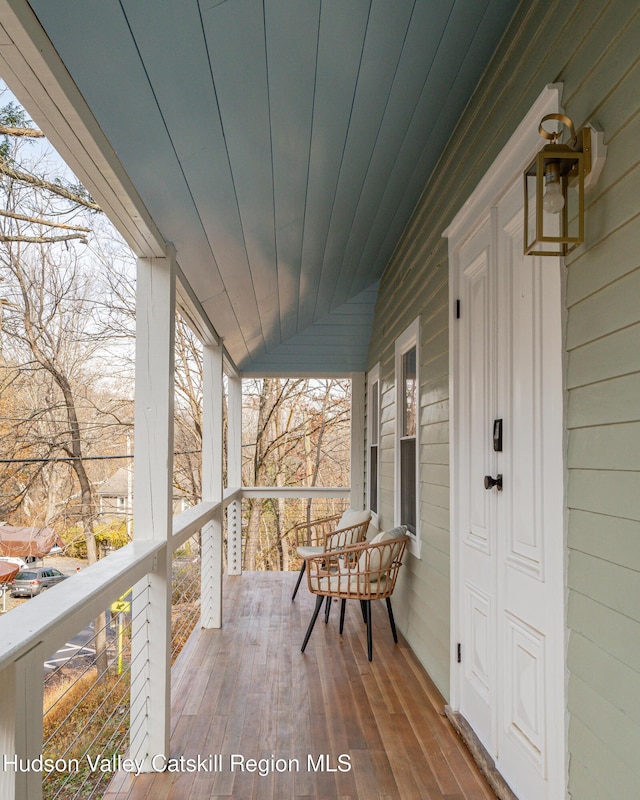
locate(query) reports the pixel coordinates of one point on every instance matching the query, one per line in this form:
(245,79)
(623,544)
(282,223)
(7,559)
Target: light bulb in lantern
(553,200)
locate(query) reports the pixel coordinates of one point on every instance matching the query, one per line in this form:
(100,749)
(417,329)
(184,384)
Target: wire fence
(87,686)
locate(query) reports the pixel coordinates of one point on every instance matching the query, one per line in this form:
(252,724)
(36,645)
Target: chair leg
(316,611)
(327,610)
(300,574)
(363,608)
(391,620)
(343,604)
(369,633)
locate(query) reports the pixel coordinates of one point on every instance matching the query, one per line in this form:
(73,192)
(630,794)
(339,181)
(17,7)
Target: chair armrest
(312,533)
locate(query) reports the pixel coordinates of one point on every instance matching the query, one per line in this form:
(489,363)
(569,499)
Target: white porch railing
(32,632)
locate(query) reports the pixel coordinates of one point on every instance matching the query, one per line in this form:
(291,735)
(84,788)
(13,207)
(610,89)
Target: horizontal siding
(416,283)
(603,379)
(613,779)
(610,538)
(612,356)
(616,634)
(590,46)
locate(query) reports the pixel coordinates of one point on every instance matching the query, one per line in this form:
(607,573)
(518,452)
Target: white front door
(509,485)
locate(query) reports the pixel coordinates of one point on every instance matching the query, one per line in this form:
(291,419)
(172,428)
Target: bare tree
(52,335)
(296,433)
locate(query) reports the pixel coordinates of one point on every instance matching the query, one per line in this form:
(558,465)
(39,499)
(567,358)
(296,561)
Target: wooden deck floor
(248,691)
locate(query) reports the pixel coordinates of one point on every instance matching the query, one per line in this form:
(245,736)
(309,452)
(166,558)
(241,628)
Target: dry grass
(85,715)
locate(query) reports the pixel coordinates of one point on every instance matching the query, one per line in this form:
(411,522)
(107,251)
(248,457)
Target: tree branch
(31,133)
(44,239)
(54,188)
(39,221)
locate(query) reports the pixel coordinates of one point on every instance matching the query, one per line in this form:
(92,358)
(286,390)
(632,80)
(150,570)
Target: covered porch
(247,690)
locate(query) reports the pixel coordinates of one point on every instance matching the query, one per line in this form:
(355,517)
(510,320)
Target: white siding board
(611,723)
(614,681)
(613,586)
(610,259)
(612,356)
(583,784)
(609,401)
(611,309)
(606,447)
(605,492)
(607,776)
(616,634)
(595,70)
(434,433)
(592,47)
(608,537)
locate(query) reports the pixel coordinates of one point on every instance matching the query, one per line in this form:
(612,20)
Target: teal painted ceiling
(280,145)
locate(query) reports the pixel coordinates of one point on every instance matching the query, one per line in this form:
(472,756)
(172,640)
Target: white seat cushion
(306,551)
(379,558)
(345,582)
(353,517)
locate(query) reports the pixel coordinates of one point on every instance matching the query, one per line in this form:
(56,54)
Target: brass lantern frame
(568,164)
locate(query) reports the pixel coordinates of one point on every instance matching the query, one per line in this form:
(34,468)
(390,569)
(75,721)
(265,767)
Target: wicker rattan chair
(331,533)
(364,572)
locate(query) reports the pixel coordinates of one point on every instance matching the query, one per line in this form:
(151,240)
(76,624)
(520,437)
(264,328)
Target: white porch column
(152,505)
(358,392)
(212,445)
(21,696)
(234,476)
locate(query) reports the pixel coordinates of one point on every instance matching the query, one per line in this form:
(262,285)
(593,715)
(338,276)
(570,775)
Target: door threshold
(478,752)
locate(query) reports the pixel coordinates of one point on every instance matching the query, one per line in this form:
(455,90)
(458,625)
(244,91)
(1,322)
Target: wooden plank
(341,36)
(291,138)
(264,697)
(382,50)
(243,100)
(203,159)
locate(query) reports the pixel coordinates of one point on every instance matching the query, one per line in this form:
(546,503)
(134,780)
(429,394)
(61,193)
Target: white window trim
(373,377)
(409,338)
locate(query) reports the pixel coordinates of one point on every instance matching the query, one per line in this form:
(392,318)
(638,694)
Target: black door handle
(490,482)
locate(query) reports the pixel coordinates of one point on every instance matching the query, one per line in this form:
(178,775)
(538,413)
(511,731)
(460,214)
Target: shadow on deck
(248,691)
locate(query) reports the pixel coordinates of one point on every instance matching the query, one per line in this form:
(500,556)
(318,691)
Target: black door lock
(490,482)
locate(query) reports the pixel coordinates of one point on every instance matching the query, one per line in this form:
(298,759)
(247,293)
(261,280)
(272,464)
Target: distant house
(115,496)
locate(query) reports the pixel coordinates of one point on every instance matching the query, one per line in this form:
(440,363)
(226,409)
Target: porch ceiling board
(280,146)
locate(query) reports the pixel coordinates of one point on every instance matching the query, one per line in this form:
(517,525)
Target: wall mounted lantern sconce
(554,184)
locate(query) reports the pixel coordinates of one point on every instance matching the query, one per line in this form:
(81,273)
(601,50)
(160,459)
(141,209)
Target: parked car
(29,582)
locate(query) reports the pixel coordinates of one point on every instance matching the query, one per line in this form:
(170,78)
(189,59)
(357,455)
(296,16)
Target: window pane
(373,478)
(375,420)
(408,483)
(409,393)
